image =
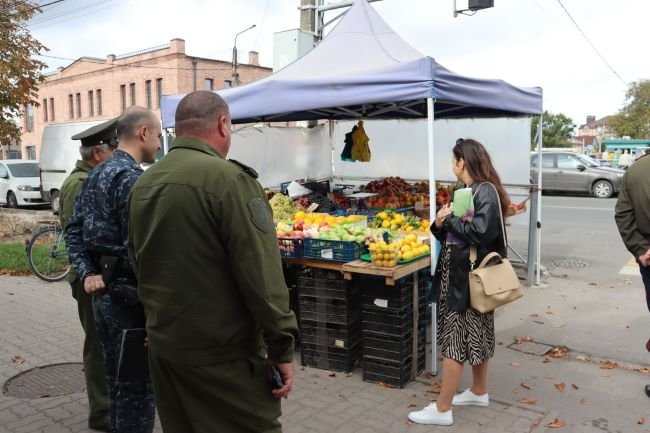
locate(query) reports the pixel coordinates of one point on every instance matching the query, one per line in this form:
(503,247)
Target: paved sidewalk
(38,322)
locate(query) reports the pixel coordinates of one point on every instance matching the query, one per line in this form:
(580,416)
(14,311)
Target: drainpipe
(194,62)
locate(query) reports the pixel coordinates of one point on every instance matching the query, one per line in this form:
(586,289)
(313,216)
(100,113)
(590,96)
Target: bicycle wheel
(47,254)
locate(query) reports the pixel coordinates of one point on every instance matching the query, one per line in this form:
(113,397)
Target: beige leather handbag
(493,285)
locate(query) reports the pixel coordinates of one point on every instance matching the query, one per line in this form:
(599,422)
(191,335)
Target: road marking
(577,208)
(631,268)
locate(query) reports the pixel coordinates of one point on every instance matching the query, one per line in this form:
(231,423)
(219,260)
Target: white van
(19,183)
(58,156)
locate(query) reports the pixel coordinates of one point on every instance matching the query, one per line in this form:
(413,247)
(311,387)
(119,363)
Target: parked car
(20,184)
(570,172)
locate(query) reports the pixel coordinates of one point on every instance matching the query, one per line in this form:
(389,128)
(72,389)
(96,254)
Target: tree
(634,119)
(558,129)
(20,74)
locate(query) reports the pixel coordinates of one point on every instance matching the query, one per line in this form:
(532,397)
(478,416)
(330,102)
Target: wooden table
(391,275)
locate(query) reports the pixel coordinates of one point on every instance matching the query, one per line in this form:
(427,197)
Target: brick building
(98,89)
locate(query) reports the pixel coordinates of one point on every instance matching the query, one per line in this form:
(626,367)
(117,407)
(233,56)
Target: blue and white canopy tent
(364,70)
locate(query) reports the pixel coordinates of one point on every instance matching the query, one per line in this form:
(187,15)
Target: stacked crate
(387,316)
(330,320)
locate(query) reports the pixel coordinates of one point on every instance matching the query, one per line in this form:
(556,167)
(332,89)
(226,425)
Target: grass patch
(13,260)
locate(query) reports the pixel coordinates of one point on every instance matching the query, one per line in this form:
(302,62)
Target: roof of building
(595,124)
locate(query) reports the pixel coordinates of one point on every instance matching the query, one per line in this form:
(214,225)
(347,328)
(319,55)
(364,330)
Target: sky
(524,42)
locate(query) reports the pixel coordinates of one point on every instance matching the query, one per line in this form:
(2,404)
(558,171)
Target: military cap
(104,133)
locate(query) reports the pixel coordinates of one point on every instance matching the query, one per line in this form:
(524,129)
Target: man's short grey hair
(132,119)
(198,111)
(87,151)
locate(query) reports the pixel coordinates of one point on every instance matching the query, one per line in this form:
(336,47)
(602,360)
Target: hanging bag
(494,283)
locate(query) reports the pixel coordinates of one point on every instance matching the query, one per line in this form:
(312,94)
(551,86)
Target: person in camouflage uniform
(210,278)
(97,144)
(96,236)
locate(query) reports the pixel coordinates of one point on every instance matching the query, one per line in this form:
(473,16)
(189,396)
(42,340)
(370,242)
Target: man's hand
(94,285)
(442,214)
(286,371)
(645,259)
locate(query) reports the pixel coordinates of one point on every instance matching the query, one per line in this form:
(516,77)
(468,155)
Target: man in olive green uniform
(204,251)
(97,144)
(633,220)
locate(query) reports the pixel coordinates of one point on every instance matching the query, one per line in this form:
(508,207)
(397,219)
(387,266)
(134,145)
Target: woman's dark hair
(479,166)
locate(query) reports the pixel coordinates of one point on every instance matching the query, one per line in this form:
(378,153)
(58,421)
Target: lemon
(411,237)
(405,248)
(392,264)
(385,224)
(372,247)
(300,215)
(407,255)
(382,215)
(426,248)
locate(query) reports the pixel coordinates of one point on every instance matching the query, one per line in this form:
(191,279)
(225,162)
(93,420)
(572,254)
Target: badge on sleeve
(260,214)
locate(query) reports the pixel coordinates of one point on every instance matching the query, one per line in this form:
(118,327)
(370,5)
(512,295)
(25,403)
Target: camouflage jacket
(99,223)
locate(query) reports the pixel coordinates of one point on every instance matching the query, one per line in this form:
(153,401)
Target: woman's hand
(442,214)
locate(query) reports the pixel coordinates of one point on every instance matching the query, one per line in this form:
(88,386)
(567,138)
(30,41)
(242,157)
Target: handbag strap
(472,249)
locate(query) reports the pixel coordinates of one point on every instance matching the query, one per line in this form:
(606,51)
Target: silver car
(570,172)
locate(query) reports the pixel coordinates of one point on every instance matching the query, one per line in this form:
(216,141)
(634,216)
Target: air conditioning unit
(475,5)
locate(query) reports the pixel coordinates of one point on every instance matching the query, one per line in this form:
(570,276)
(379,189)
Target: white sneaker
(468,398)
(431,415)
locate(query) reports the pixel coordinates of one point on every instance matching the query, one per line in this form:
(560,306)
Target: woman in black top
(464,334)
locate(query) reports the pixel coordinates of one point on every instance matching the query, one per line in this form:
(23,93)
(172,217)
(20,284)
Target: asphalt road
(578,231)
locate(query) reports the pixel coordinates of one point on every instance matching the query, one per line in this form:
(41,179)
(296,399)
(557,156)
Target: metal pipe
(540,143)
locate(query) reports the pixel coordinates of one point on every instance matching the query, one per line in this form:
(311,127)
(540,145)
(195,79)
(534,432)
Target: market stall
(364,70)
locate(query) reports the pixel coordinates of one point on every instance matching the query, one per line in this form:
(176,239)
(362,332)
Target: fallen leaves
(412,405)
(436,387)
(331,374)
(534,315)
(408,423)
(574,386)
(515,364)
(538,321)
(526,386)
(386,385)
(641,421)
(531,400)
(522,340)
(560,386)
(536,423)
(557,423)
(583,401)
(17,360)
(558,352)
(608,365)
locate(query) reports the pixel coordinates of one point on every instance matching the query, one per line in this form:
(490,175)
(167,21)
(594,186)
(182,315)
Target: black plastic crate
(403,329)
(324,311)
(291,248)
(392,343)
(397,373)
(331,360)
(392,302)
(326,288)
(334,335)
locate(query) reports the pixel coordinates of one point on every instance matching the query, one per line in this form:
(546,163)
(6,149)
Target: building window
(70,106)
(52,109)
(31,152)
(91,104)
(132,93)
(123,96)
(147,90)
(99,102)
(45,113)
(29,118)
(159,91)
(78,105)
(227,84)
(209,84)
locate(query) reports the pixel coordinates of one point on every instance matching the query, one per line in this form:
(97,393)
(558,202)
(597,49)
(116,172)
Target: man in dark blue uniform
(96,237)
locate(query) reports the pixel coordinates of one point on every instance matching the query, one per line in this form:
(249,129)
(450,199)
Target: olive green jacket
(204,251)
(69,191)
(633,207)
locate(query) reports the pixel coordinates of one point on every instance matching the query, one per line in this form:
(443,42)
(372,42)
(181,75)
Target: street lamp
(235,75)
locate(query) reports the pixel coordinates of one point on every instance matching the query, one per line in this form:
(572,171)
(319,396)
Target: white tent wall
(399,148)
(284,154)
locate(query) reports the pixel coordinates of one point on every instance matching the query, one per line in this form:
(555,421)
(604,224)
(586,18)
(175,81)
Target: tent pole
(538,255)
(330,124)
(432,218)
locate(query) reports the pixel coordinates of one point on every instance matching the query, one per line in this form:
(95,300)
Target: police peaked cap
(104,133)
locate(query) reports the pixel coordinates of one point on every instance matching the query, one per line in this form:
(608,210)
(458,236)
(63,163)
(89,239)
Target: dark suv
(567,171)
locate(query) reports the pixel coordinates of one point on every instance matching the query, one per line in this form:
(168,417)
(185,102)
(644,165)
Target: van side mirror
(581,167)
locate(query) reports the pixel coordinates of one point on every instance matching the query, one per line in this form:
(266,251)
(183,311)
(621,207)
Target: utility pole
(235,74)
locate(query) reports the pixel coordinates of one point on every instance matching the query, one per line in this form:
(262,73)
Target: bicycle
(47,254)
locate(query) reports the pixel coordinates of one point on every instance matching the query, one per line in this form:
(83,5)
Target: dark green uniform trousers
(229,397)
(96,385)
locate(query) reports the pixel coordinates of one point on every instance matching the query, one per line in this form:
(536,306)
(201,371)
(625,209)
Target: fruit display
(444,194)
(312,225)
(396,221)
(395,193)
(387,255)
(283,207)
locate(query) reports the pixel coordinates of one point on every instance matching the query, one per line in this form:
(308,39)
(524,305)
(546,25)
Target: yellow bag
(360,148)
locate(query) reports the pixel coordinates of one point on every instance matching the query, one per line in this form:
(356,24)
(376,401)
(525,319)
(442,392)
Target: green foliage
(13,259)
(634,118)
(558,129)
(20,73)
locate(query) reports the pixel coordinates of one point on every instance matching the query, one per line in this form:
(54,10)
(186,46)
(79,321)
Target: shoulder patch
(260,214)
(250,171)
